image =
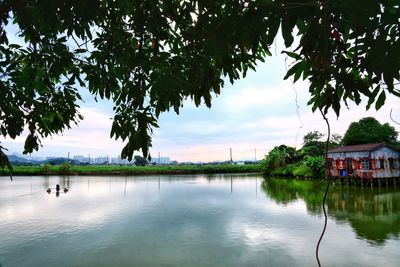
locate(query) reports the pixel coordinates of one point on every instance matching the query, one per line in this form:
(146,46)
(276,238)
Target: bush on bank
(280,162)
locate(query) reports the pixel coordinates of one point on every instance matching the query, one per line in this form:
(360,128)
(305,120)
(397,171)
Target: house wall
(386,153)
(340,160)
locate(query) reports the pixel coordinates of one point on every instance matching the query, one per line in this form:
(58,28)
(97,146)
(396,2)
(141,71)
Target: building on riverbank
(365,163)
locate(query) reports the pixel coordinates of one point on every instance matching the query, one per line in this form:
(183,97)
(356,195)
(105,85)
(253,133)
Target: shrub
(46,167)
(303,171)
(316,164)
(64,167)
(279,157)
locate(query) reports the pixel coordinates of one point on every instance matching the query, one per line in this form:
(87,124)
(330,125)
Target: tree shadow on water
(373,214)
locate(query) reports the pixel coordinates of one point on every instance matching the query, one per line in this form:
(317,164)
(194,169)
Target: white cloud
(91,136)
(256,113)
(189,136)
(252,98)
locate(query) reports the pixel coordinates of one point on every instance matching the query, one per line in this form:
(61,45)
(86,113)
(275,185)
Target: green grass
(133,170)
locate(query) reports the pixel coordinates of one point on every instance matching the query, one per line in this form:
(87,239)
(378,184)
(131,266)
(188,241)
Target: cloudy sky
(251,117)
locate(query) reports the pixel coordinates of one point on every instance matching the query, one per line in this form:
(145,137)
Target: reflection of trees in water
(374,214)
(46,182)
(66,182)
(284,191)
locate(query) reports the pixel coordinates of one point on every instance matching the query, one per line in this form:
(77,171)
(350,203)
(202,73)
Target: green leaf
(273,22)
(381,100)
(371,98)
(4,162)
(287,25)
(301,26)
(291,54)
(296,68)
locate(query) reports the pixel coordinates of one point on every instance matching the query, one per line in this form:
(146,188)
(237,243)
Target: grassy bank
(131,170)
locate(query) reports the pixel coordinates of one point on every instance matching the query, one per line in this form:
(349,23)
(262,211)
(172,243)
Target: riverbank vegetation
(308,161)
(67,169)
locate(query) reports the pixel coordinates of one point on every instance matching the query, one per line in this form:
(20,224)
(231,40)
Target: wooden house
(367,161)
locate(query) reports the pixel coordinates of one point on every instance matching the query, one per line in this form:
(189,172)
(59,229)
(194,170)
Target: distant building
(118,160)
(162,160)
(367,161)
(101,160)
(78,158)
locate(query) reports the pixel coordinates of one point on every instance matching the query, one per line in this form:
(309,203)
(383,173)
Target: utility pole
(159,158)
(68,157)
(255,154)
(230,149)
(89,159)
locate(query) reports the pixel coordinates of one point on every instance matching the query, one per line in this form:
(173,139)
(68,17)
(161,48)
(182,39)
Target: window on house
(391,163)
(365,164)
(381,164)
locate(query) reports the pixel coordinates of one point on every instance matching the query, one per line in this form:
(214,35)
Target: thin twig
(326,190)
(392,117)
(294,5)
(82,44)
(296,100)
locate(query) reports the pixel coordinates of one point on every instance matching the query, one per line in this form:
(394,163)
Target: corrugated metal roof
(358,148)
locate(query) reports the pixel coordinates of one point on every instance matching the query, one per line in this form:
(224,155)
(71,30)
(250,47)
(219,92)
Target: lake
(194,220)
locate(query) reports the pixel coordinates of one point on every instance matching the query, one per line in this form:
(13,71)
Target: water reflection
(192,220)
(373,213)
(57,190)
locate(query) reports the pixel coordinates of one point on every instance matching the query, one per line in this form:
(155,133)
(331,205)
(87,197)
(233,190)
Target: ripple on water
(184,222)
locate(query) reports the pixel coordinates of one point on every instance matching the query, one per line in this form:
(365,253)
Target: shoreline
(116,170)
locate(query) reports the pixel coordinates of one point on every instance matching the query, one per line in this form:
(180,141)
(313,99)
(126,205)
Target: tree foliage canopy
(140,161)
(313,136)
(149,56)
(369,130)
(314,145)
(280,156)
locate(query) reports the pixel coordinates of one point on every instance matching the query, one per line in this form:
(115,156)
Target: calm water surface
(198,220)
